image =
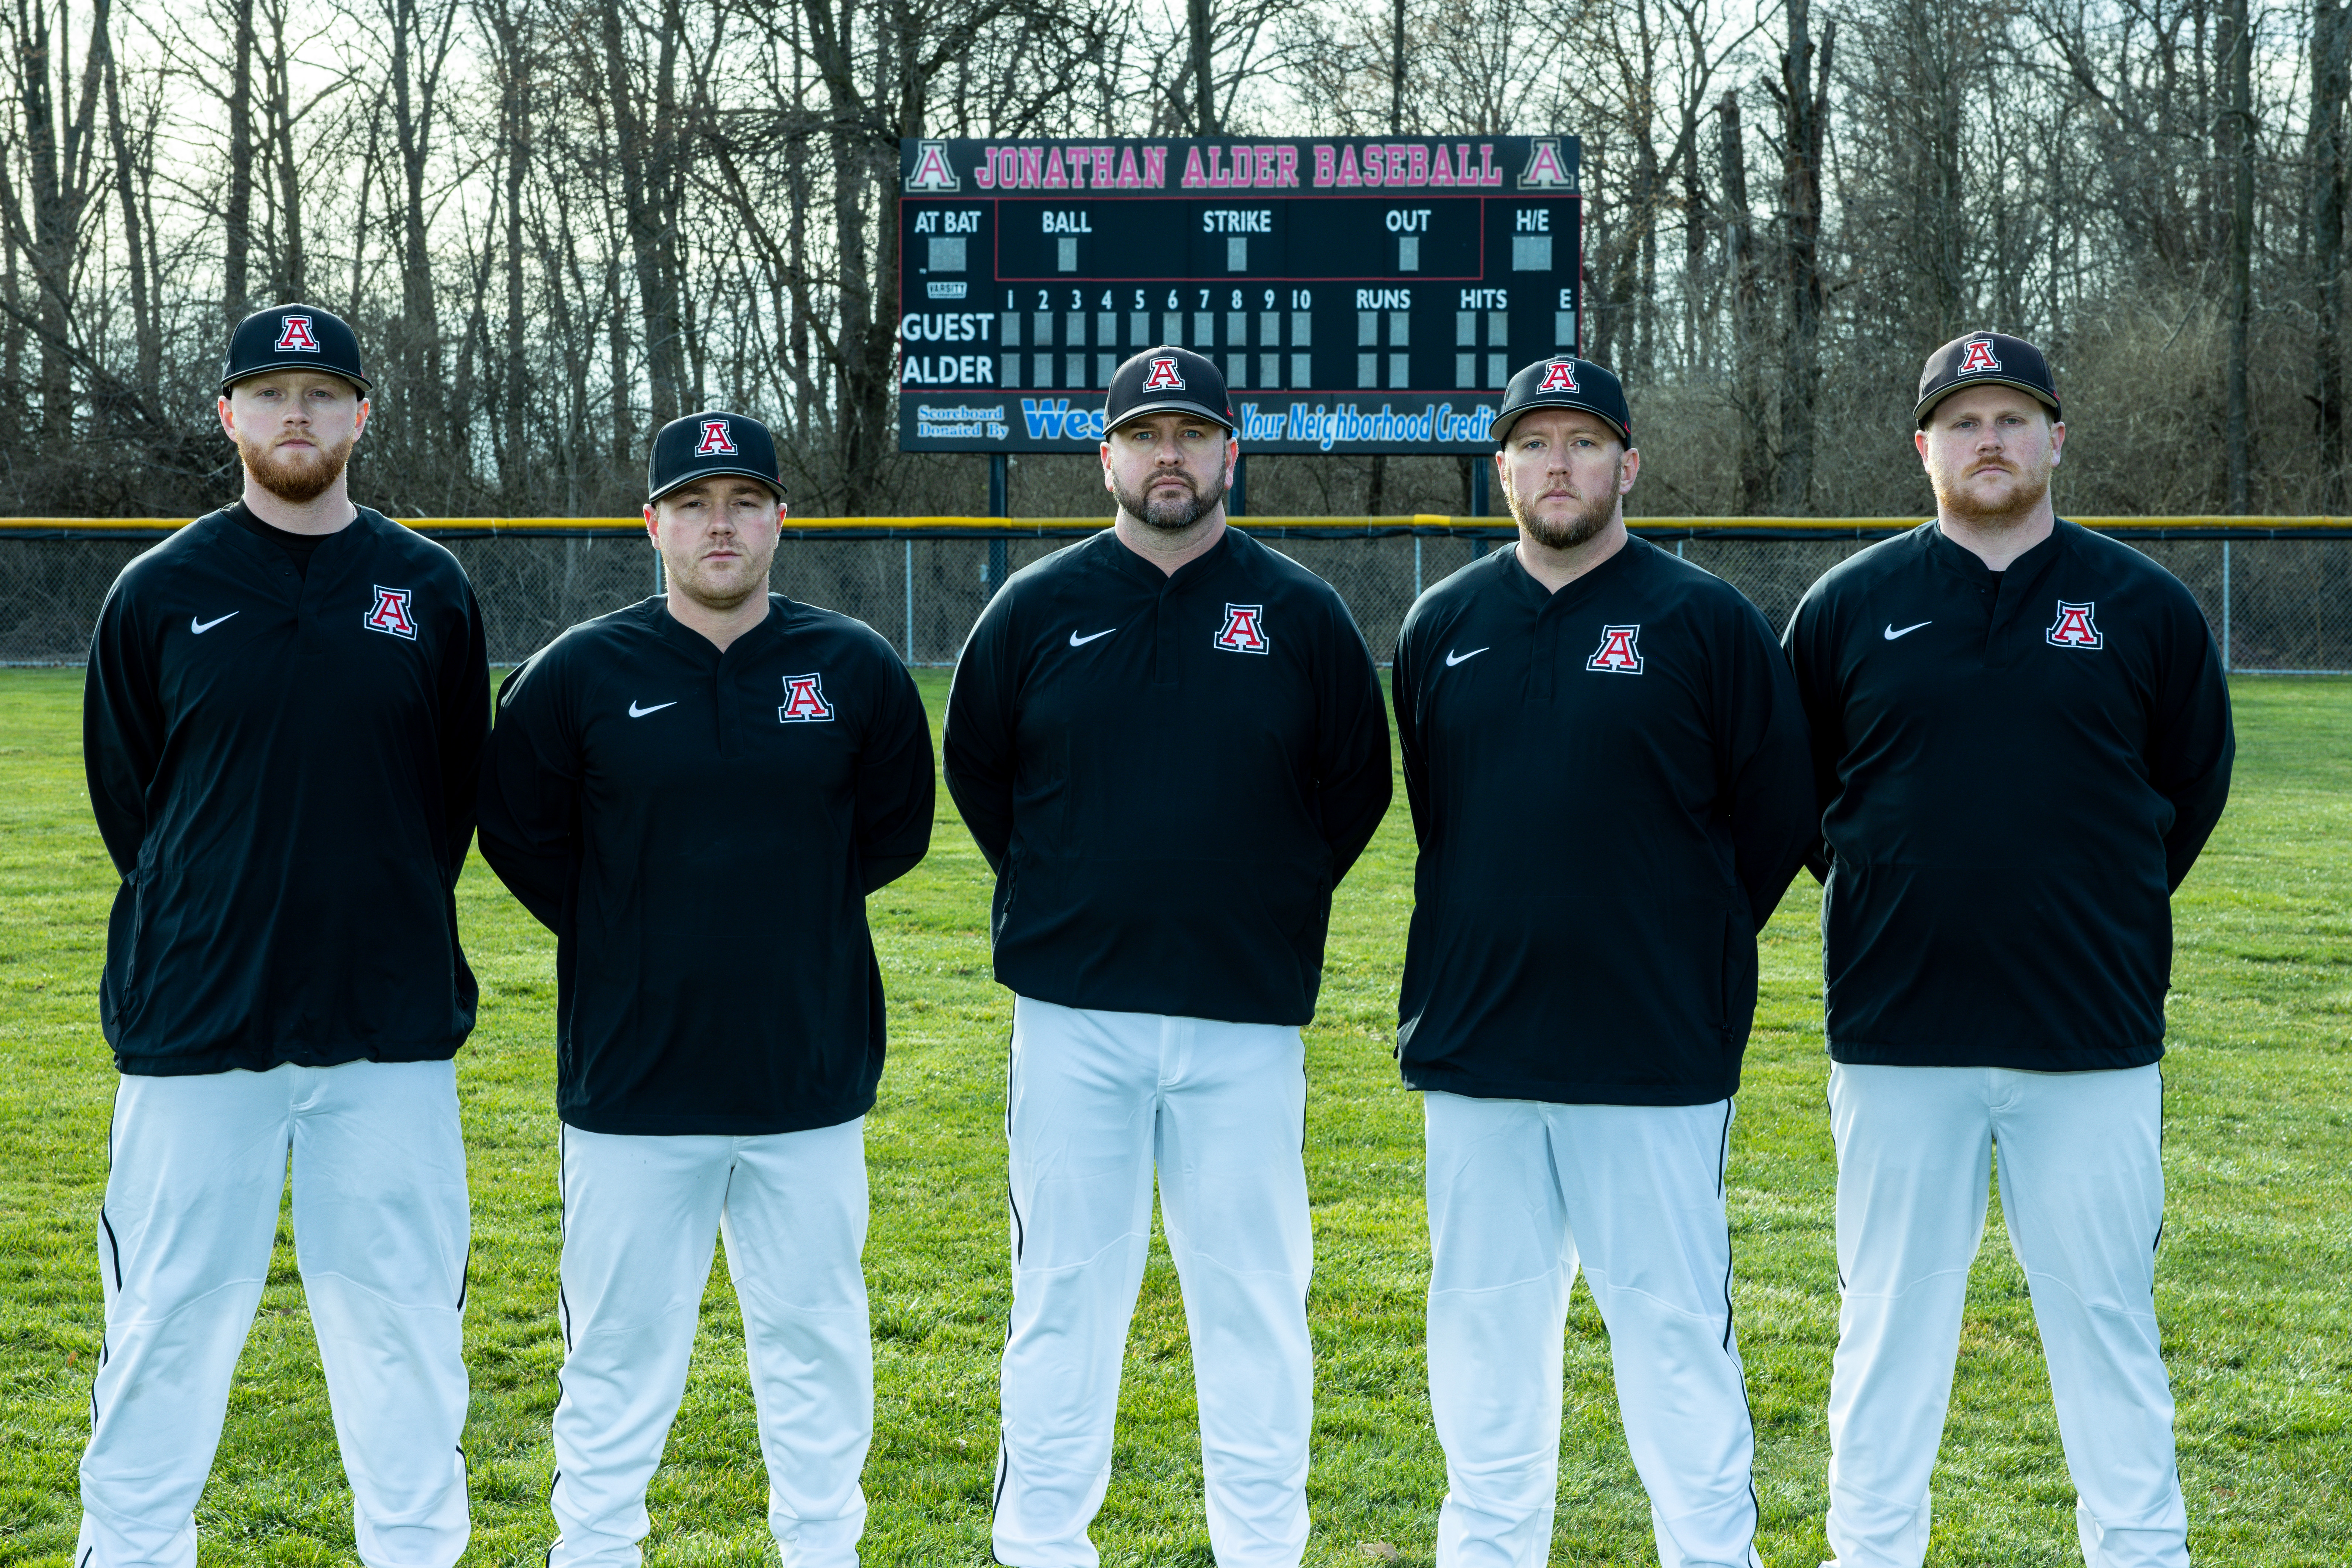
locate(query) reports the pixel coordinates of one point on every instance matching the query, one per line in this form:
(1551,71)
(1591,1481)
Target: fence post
(1416,565)
(999,504)
(660,587)
(911,602)
(2225,606)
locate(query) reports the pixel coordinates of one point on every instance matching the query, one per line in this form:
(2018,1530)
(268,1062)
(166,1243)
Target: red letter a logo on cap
(1978,358)
(714,439)
(294,337)
(1559,376)
(1163,377)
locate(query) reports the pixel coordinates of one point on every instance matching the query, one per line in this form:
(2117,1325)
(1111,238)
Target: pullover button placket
(1544,679)
(305,604)
(728,708)
(1164,652)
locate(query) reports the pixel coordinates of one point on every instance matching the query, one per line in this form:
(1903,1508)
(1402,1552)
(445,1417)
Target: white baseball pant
(1097,1101)
(2082,1189)
(641,1214)
(1521,1194)
(380,1230)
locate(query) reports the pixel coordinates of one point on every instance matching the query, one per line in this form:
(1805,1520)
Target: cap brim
(1141,409)
(1919,414)
(360,382)
(1503,432)
(699,474)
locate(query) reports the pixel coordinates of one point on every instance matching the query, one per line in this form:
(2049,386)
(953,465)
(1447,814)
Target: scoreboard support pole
(1480,471)
(1000,486)
(1237,497)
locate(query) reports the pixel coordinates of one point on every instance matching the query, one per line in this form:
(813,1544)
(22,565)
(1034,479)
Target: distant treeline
(559,223)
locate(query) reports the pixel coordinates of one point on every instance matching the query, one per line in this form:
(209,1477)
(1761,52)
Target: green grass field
(2251,1283)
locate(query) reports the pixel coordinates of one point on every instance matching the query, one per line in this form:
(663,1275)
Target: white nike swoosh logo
(637,712)
(1892,634)
(1452,659)
(201,627)
(1078,641)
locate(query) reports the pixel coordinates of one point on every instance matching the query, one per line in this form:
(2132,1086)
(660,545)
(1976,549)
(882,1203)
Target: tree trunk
(647,156)
(616,347)
(420,48)
(2237,67)
(1204,96)
(367,191)
(61,158)
(1648,192)
(1804,95)
(1745,280)
(44,174)
(2331,81)
(292,280)
(236,229)
(1695,210)
(146,301)
(514,388)
(1396,69)
(12,340)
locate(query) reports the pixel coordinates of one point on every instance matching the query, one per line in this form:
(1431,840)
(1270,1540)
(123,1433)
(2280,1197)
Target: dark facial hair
(1171,516)
(1581,526)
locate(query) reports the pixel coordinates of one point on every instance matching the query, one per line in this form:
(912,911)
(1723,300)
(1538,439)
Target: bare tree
(1803,92)
(132,149)
(507,26)
(417,36)
(62,176)
(2238,143)
(2331,81)
(237,228)
(1744,273)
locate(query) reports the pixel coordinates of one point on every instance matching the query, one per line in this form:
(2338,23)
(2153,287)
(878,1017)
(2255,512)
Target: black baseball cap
(293,337)
(703,444)
(1977,357)
(1167,380)
(1564,380)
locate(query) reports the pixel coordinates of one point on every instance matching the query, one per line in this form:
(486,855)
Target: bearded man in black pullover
(1607,766)
(2021,740)
(1167,741)
(285,709)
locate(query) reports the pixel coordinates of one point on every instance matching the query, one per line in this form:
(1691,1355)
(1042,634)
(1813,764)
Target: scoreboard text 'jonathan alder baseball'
(1360,294)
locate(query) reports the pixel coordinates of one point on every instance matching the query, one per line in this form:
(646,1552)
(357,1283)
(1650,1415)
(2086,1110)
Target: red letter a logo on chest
(1245,630)
(1620,651)
(2074,626)
(805,701)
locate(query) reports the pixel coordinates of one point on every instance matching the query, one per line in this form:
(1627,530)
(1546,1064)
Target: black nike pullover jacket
(1168,775)
(2015,769)
(282,765)
(1612,788)
(700,829)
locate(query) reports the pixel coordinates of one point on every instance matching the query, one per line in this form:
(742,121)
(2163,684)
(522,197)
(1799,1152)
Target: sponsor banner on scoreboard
(1360,294)
(1037,422)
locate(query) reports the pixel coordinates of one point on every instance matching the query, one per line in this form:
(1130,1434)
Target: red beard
(297,476)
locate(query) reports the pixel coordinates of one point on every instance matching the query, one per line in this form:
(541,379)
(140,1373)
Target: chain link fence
(2281,604)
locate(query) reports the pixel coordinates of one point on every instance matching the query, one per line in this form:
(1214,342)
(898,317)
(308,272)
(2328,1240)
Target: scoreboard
(1360,294)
